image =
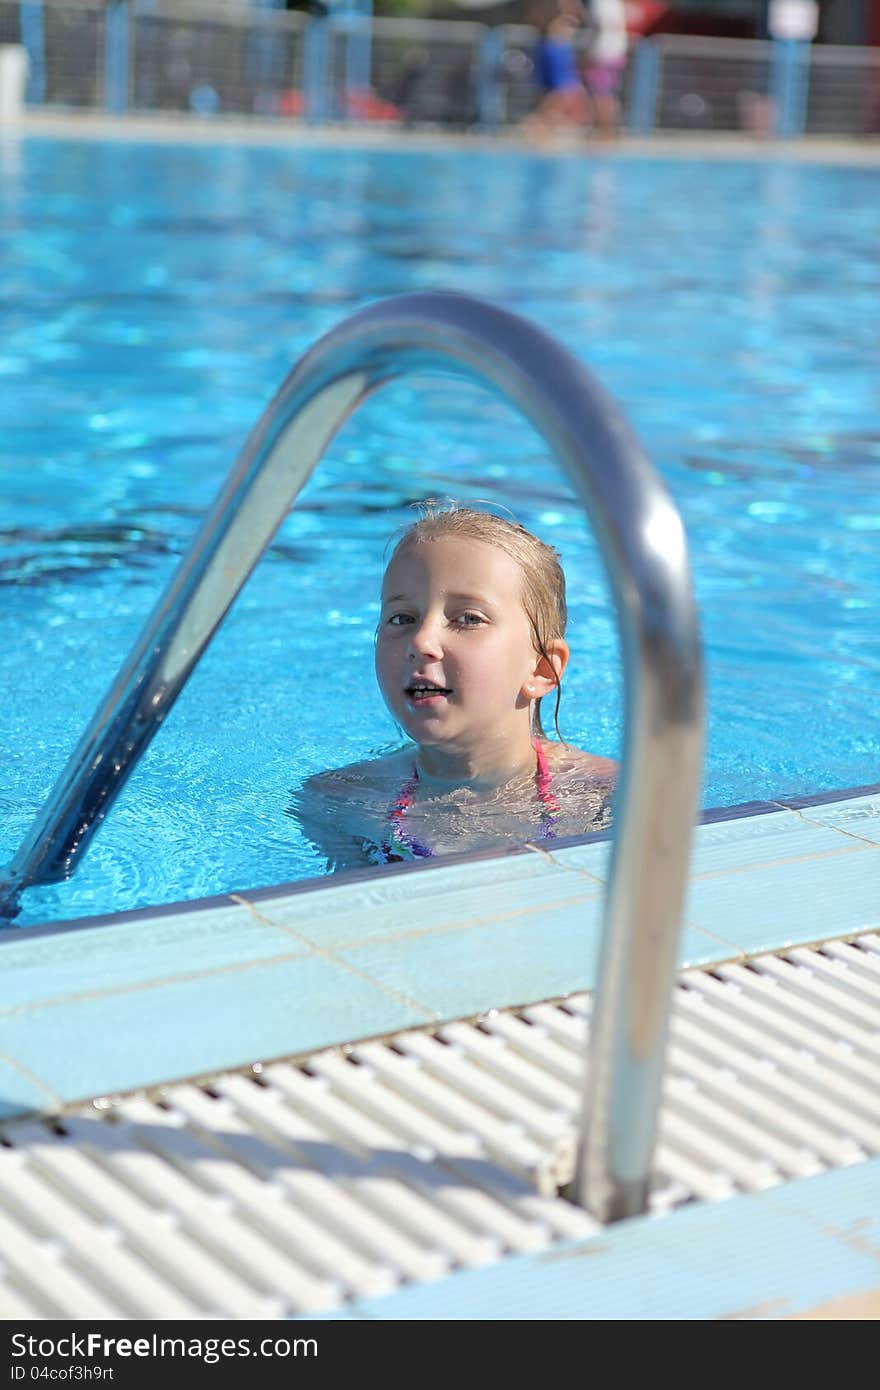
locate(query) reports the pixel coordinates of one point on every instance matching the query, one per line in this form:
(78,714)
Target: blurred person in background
(606,61)
(562,100)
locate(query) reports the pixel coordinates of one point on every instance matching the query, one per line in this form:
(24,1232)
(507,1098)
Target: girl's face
(454,654)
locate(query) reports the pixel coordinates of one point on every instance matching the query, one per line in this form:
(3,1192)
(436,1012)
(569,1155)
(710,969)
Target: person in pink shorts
(606,62)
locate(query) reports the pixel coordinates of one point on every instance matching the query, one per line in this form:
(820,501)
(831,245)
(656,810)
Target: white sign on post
(13,76)
(793,19)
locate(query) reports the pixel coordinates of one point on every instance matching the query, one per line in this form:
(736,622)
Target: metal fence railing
(74,53)
(217,57)
(246,63)
(429,74)
(843,96)
(10,24)
(706,85)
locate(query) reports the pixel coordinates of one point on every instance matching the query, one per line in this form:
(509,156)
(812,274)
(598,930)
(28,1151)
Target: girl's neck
(482,769)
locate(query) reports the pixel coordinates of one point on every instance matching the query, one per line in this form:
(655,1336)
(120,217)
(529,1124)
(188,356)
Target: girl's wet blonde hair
(543,580)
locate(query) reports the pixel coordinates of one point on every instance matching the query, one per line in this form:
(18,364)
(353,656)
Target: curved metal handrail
(642,540)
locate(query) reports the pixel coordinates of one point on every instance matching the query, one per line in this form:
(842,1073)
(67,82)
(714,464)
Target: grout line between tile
(85,996)
(31,1077)
(326,954)
(470,924)
(825,825)
(737,869)
(726,941)
(565,868)
(853,1236)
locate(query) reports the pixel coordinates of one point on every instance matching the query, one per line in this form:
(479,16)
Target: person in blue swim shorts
(562,98)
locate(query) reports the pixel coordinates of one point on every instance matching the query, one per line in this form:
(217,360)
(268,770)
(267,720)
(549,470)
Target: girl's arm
(320,811)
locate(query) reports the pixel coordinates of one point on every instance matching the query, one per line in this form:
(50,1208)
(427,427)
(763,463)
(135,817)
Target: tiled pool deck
(118,1003)
(113,1003)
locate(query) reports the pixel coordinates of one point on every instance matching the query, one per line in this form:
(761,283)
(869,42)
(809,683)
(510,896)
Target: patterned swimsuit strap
(550,811)
(399,845)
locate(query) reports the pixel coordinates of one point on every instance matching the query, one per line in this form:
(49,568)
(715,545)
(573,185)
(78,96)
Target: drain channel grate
(296,1186)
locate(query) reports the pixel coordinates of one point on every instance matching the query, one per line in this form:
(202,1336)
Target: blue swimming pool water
(152,299)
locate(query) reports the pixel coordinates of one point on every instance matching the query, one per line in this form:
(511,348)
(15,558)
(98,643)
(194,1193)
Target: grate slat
(452,1065)
(860,1014)
(96,1249)
(514,1068)
(778,1023)
(765,1055)
(13,1305)
(40,1267)
(869,943)
(471,1204)
(152,1232)
(534,1043)
(209,1220)
(788,1107)
(292,1187)
(508,1147)
(843,971)
(316,1127)
(804,1003)
(313,1250)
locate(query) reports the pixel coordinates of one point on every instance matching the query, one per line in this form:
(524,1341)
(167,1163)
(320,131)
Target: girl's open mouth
(422,693)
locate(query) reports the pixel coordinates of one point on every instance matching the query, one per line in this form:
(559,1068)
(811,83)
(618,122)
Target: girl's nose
(424,639)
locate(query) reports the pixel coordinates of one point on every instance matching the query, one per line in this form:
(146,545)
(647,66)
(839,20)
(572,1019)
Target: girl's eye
(398,619)
(470,620)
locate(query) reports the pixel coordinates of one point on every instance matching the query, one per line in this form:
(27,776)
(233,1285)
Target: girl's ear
(547,671)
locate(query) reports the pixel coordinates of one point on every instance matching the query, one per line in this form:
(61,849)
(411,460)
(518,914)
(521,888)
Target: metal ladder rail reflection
(642,540)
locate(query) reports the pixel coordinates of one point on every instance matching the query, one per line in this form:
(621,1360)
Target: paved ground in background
(240,130)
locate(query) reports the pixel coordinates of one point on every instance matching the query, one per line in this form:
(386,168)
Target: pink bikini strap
(400,845)
(544,787)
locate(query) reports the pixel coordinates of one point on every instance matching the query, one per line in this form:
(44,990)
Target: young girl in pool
(471,639)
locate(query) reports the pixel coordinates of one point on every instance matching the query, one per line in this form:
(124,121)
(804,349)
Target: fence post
(645,87)
(358,56)
(116,58)
(33,36)
(789,81)
(489,94)
(316,47)
(264,60)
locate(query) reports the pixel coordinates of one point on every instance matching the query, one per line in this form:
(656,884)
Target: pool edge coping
(369,873)
(361,967)
(71,123)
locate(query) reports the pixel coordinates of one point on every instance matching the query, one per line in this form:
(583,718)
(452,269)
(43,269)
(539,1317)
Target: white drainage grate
(294,1187)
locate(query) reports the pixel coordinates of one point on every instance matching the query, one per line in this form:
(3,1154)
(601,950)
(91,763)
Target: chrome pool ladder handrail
(642,540)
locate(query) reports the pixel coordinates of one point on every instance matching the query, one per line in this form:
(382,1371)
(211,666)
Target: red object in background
(642,15)
(874,29)
(364,105)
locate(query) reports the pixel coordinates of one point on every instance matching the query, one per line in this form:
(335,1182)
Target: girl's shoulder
(344,808)
(565,761)
(370,775)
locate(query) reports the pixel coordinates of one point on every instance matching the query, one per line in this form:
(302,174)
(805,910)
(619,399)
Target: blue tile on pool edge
(759,840)
(860,817)
(769,908)
(134,951)
(447,895)
(149,1036)
(19,1093)
(463,971)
